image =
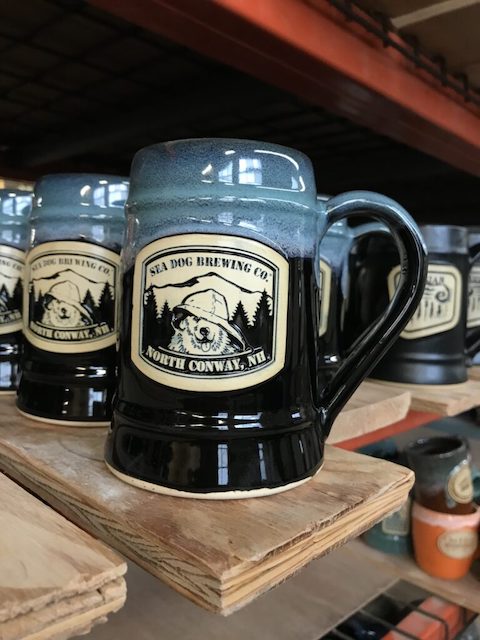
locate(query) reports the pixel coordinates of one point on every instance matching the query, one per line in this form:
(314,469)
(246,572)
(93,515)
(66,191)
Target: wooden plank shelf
(444,400)
(464,592)
(56,581)
(372,407)
(474,373)
(219,555)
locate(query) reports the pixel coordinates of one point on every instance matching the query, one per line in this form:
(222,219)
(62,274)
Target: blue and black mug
(71,299)
(219,393)
(15,207)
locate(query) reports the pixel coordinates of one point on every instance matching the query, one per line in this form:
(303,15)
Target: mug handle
(471,349)
(369,228)
(376,341)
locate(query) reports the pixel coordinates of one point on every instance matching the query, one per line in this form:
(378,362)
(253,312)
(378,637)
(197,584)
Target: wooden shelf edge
(464,592)
(220,555)
(413,420)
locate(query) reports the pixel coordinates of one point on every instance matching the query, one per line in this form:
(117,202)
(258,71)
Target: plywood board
(464,592)
(55,580)
(373,406)
(305,607)
(474,373)
(221,555)
(444,400)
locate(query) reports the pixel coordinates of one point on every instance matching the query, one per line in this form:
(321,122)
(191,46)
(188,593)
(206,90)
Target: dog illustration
(62,307)
(202,327)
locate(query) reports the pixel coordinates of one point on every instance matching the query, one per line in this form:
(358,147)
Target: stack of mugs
(208,357)
(445,519)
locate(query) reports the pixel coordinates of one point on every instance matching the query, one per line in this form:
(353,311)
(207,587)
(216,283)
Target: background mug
(15,207)
(70,299)
(218,392)
(444,478)
(431,348)
(444,544)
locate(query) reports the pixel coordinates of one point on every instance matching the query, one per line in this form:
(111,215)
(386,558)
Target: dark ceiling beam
(191,103)
(319,55)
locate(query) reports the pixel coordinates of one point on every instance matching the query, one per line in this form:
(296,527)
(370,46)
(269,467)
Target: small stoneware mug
(445,545)
(444,478)
(70,299)
(219,393)
(431,348)
(15,207)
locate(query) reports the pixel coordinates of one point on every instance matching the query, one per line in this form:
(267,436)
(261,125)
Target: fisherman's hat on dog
(66,291)
(208,305)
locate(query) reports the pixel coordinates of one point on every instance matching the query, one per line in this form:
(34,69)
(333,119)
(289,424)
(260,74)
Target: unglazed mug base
(64,423)
(213,495)
(8,392)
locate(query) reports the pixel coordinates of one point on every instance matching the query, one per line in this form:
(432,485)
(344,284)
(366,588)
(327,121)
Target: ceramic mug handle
(367,351)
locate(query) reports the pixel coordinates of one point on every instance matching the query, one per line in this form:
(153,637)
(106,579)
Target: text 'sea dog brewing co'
(218,392)
(70,317)
(15,206)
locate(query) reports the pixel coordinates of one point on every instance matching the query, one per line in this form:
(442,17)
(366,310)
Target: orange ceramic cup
(444,544)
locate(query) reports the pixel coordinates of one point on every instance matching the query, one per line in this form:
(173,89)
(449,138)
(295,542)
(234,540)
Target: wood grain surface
(221,555)
(474,373)
(55,579)
(445,400)
(373,406)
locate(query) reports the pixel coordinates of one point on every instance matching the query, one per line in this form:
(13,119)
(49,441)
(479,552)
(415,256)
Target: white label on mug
(209,312)
(325,288)
(398,524)
(458,544)
(460,485)
(440,306)
(473,309)
(12,263)
(69,299)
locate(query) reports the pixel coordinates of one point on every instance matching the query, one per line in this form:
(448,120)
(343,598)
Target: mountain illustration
(42,285)
(173,294)
(9,282)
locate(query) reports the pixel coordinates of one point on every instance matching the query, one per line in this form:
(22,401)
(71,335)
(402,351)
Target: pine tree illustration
(150,321)
(89,304)
(37,308)
(106,306)
(165,328)
(4,293)
(17,295)
(264,324)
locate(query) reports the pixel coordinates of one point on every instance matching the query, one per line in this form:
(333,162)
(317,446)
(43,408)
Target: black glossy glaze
(73,387)
(271,434)
(433,359)
(76,387)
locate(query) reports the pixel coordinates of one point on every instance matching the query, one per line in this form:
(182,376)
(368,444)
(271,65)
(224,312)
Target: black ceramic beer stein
(473,305)
(218,393)
(70,299)
(431,348)
(15,206)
